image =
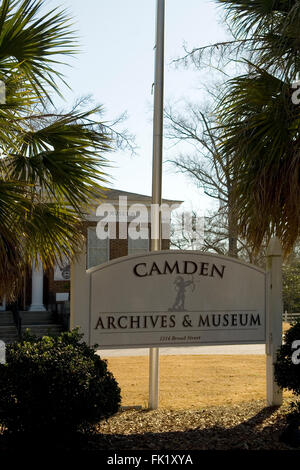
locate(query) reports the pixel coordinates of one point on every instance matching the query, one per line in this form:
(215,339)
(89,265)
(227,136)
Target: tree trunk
(232,230)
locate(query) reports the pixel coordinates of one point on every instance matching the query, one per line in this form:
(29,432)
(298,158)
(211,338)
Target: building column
(37,288)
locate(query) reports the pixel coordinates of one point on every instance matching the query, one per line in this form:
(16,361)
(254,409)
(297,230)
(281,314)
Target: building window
(139,246)
(98,249)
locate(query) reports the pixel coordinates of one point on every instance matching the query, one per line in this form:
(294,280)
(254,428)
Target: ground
(207,402)
(247,426)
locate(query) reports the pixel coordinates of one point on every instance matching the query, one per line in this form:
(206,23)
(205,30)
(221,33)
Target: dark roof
(114,194)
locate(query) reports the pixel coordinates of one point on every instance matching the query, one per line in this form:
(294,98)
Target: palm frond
(51,165)
(64,158)
(272,27)
(261,129)
(29,41)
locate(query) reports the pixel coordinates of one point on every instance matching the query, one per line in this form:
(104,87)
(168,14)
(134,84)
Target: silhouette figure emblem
(181,286)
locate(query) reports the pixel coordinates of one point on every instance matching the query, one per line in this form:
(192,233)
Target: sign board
(176,298)
(62,296)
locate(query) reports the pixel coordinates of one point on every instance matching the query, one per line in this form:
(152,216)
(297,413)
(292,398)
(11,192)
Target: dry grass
(192,382)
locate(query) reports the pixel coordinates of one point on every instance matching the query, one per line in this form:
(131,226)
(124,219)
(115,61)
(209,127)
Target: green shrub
(55,385)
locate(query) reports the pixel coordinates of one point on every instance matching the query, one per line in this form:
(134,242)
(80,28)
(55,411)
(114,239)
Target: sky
(116,67)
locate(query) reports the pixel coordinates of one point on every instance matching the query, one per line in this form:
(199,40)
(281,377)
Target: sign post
(274,318)
(157,176)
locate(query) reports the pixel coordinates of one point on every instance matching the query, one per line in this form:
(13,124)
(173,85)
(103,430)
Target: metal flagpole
(157,176)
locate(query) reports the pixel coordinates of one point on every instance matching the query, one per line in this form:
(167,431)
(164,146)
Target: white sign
(2,352)
(62,297)
(176,298)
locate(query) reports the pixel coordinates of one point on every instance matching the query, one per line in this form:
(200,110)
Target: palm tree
(258,120)
(51,164)
(260,123)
